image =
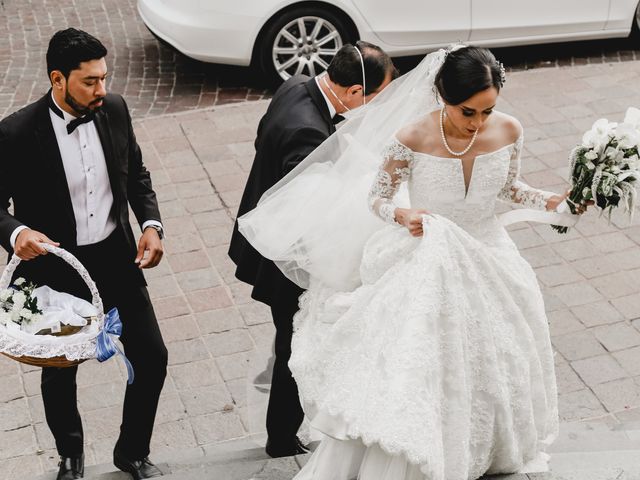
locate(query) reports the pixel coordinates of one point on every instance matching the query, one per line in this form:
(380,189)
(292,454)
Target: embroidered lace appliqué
(395,169)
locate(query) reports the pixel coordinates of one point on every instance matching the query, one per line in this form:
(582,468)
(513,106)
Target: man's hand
(28,242)
(151,244)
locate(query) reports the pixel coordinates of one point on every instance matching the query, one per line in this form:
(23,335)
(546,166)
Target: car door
(417,22)
(502,19)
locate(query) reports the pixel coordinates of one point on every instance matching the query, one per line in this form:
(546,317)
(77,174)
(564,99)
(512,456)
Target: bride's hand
(411,219)
(554,202)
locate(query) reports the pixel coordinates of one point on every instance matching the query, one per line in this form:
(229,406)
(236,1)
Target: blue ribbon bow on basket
(106,346)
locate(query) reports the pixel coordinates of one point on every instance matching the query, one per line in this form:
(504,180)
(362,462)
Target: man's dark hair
(467,71)
(69,48)
(346,68)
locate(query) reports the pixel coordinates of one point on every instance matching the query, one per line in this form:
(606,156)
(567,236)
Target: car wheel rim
(305,45)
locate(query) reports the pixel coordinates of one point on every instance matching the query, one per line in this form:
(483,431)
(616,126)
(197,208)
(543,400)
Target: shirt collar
(67,117)
(332,110)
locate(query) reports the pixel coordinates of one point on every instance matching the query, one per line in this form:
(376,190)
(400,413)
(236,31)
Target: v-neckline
(466,187)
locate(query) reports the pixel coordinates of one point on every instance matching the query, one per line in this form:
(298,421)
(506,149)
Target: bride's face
(472,114)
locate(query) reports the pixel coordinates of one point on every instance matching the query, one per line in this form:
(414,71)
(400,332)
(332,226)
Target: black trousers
(284,413)
(110,264)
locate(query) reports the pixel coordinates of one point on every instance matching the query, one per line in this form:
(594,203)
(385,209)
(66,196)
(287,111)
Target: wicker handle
(71,260)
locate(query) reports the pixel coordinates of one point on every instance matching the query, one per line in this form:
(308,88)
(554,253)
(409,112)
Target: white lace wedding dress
(440,366)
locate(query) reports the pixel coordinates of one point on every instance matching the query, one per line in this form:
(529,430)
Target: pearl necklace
(444,138)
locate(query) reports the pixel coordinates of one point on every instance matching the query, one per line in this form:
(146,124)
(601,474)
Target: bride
(421,348)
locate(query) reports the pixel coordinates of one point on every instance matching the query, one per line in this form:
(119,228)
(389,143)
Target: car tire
(635,28)
(278,58)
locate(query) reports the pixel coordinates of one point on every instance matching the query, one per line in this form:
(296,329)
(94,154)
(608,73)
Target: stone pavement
(219,339)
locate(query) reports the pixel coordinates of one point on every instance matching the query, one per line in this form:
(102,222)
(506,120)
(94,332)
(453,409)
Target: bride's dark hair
(467,71)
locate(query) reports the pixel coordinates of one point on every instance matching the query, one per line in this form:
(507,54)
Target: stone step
(583,451)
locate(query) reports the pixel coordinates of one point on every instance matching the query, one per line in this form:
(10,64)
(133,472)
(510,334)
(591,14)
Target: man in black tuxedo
(300,117)
(71,165)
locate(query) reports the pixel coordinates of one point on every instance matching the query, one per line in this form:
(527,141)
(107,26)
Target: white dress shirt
(86,170)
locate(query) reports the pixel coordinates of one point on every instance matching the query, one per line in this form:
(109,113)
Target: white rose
(5,294)
(632,117)
(19,281)
(15,316)
(591,155)
(599,135)
(4,317)
(26,314)
(18,300)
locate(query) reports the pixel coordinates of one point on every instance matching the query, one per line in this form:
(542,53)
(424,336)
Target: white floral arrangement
(19,305)
(605,167)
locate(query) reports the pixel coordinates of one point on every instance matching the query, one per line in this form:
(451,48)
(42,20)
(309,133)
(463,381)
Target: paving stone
(578,345)
(187,351)
(619,395)
(629,306)
(618,336)
(234,366)
(163,287)
(20,467)
(221,320)
(206,400)
(618,284)
(568,380)
(629,359)
(170,307)
(101,395)
(611,242)
(255,313)
(11,388)
(241,293)
(170,409)
(579,293)
(183,262)
(580,404)
(201,279)
(217,427)
(195,374)
(597,370)
(14,414)
(558,275)
(562,322)
(172,436)
(541,256)
(229,342)
(594,314)
(19,442)
(179,328)
(209,299)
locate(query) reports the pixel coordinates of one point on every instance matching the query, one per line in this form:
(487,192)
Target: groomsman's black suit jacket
(297,121)
(32,176)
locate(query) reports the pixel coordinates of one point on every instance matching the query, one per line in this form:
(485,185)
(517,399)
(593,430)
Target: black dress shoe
(139,469)
(71,468)
(287,450)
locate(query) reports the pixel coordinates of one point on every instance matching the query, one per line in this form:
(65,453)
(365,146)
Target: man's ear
(355,90)
(57,79)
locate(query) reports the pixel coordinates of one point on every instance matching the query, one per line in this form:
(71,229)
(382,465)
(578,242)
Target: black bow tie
(73,124)
(337,118)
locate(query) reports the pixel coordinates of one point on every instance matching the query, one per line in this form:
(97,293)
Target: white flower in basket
(42,327)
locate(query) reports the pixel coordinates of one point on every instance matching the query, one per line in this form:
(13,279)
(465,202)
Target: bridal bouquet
(18,304)
(42,310)
(605,168)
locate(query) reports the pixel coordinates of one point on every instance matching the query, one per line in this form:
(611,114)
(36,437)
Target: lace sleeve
(395,169)
(516,191)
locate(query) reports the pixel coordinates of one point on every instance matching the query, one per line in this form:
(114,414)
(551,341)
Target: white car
(285,37)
